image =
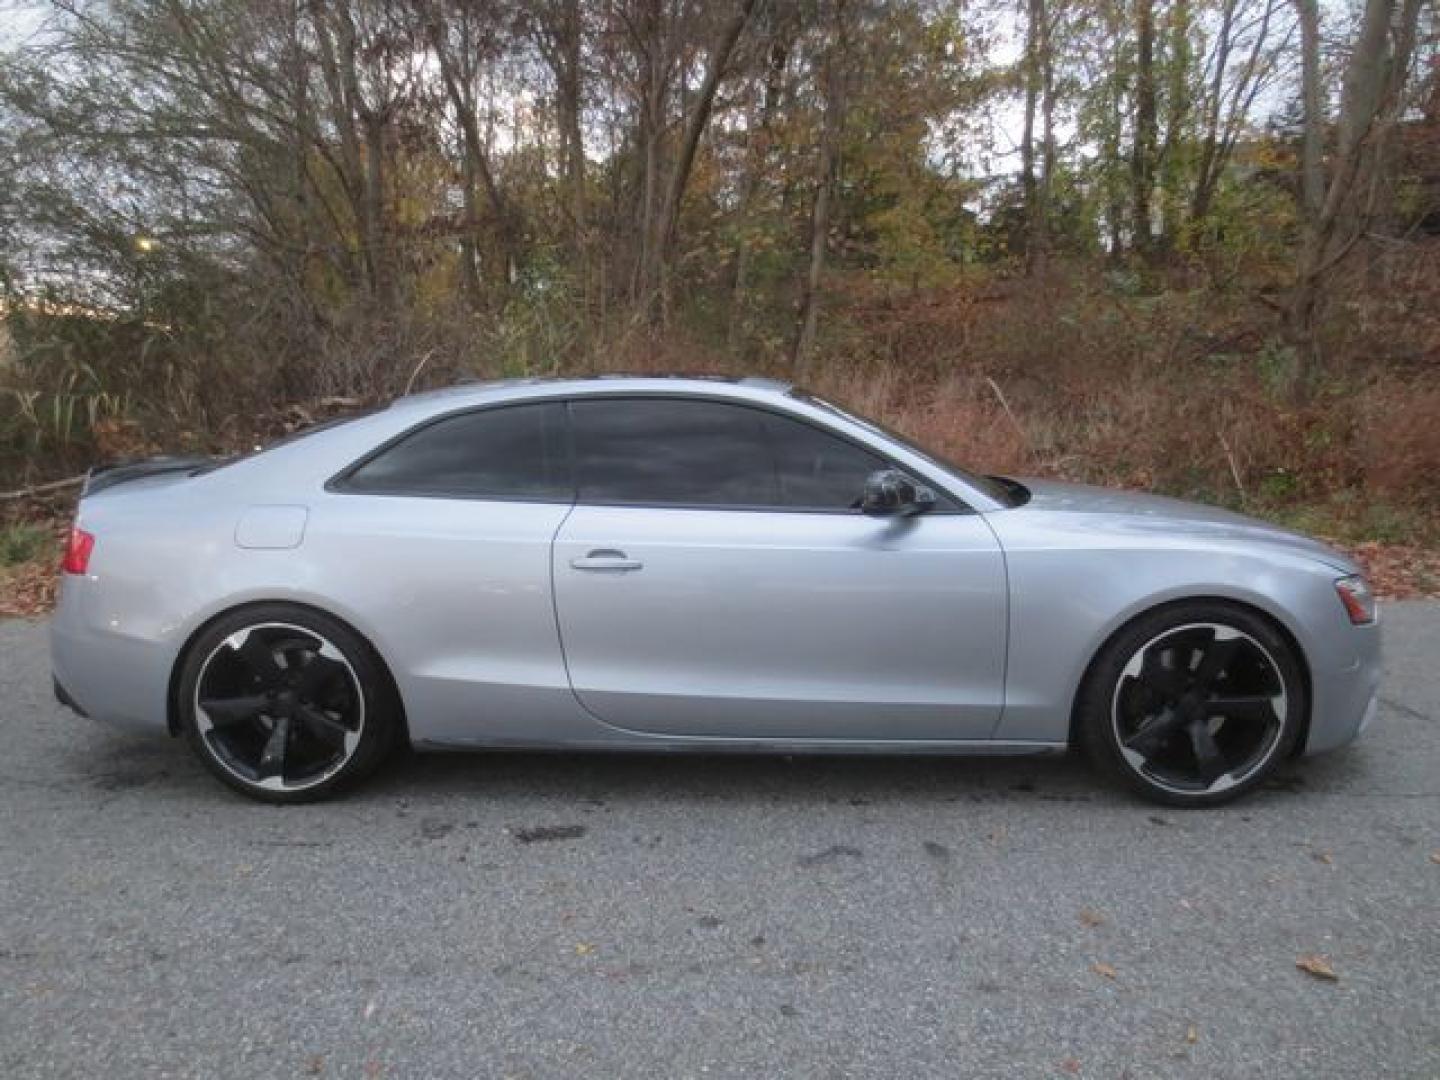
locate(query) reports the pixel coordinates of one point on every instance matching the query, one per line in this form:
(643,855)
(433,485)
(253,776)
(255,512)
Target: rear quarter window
(507,452)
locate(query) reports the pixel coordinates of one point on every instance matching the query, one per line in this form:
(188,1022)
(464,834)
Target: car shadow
(640,777)
(857,780)
(115,762)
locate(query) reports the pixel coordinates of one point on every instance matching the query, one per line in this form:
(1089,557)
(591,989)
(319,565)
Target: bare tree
(1371,99)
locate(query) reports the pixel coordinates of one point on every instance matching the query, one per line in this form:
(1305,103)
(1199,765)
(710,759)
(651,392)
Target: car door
(716,580)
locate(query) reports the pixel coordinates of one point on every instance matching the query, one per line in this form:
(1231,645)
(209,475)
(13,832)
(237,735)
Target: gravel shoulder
(556,915)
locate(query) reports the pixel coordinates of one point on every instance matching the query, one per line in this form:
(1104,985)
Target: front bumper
(1345,695)
(63,697)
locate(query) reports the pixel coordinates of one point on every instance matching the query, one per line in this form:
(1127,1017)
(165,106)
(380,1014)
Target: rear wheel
(1194,704)
(285,704)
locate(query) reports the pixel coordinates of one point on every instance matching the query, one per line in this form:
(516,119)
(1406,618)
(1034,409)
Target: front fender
(1072,589)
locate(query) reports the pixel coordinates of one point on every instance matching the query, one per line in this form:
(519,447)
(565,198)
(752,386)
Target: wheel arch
(172,693)
(1269,617)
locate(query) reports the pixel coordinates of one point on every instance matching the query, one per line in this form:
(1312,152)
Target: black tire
(359,710)
(1154,715)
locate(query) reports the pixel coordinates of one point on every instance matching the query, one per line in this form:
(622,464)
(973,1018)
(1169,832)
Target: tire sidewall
(378,732)
(1097,732)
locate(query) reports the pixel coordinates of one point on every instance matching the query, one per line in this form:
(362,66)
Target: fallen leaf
(1435,856)
(1091,917)
(1071,1066)
(315,1066)
(1317,966)
(1101,968)
(1192,1036)
(1323,856)
(584,949)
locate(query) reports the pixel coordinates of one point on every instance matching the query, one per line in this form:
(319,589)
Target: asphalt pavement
(505,915)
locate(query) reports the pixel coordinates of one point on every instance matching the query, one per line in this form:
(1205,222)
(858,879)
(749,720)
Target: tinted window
(817,470)
(514,452)
(665,451)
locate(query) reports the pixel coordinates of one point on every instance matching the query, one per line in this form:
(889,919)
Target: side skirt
(717,745)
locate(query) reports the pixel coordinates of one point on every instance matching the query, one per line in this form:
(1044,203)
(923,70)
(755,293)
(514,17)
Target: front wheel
(285,704)
(1193,704)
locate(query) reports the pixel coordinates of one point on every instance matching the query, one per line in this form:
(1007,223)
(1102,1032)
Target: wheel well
(1260,613)
(172,695)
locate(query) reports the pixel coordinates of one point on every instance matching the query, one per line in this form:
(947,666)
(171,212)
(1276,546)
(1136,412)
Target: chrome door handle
(606,559)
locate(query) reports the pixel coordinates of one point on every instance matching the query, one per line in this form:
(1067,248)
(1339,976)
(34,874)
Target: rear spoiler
(122,472)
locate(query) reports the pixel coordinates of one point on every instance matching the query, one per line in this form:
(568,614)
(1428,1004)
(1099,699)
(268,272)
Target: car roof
(479,392)
(462,395)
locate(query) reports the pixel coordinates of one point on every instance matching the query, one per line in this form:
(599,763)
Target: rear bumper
(106,674)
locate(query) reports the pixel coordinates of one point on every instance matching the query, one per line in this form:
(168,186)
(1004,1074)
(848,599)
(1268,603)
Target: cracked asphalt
(554,916)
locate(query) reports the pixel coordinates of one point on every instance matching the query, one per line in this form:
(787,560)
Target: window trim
(340,482)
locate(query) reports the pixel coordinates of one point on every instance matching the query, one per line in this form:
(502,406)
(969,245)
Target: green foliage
(22,542)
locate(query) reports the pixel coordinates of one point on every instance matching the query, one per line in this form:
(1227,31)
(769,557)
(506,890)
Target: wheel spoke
(1255,708)
(317,676)
(1208,760)
(321,725)
(1216,658)
(1168,682)
(226,711)
(272,758)
(261,660)
(1150,737)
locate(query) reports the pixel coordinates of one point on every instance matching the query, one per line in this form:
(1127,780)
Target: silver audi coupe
(691,564)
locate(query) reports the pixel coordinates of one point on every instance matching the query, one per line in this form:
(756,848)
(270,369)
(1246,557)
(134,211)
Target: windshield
(1006,493)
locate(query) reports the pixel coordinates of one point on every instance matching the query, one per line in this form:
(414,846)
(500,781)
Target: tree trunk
(1142,158)
(1177,117)
(698,118)
(819,235)
(1046,189)
(1371,97)
(1030,69)
(757,145)
(832,81)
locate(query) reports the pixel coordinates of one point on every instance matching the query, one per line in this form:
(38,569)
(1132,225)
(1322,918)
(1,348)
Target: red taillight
(77,552)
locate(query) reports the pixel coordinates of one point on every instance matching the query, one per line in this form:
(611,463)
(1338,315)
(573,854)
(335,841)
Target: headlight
(1359,601)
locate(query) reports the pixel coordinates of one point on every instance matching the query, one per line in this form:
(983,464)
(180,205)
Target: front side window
(508,452)
(679,452)
(664,451)
(816,470)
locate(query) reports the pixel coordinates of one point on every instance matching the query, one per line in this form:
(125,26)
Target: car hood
(1138,511)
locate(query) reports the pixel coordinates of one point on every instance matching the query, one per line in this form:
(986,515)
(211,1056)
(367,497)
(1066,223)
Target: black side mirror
(890,491)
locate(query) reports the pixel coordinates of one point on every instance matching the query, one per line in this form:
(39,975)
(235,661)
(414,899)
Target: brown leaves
(1090,917)
(1318,966)
(1102,968)
(1399,571)
(117,438)
(28,590)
